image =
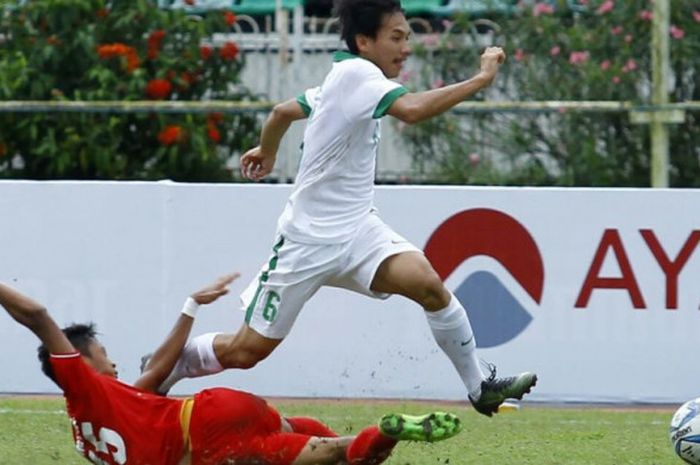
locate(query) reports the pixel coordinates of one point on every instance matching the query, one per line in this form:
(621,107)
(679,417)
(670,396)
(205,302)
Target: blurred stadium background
(573,107)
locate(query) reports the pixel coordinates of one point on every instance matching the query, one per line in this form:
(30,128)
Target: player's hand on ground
(491,60)
(256,165)
(212,292)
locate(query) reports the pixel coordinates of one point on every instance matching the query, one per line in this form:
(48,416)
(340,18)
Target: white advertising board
(595,290)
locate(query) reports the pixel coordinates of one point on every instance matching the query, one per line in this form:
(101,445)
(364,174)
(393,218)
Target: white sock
(453,333)
(197,359)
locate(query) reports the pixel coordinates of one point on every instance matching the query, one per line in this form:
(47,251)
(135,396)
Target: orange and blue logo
(495,314)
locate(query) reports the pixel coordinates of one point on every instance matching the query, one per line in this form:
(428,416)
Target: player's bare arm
(164,358)
(36,318)
(259,161)
(419,106)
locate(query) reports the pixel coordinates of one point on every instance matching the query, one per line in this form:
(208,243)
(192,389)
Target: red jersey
(114,423)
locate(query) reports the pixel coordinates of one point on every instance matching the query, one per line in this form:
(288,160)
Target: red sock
(370,447)
(311,427)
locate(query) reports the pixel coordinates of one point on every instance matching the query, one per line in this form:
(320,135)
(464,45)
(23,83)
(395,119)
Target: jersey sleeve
(370,94)
(72,374)
(308,100)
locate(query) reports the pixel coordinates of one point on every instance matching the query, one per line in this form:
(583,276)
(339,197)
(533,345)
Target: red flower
(132,60)
(155,39)
(108,51)
(229,51)
(102,13)
(158,89)
(213,134)
(205,52)
(215,118)
(171,135)
(229,17)
(189,78)
(111,50)
(3,150)
(156,36)
(189,2)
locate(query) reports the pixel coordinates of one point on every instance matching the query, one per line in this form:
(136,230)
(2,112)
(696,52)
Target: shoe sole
(490,409)
(432,427)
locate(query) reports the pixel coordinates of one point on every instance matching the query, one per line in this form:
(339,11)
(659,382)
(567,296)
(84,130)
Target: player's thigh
(403,273)
(291,277)
(374,245)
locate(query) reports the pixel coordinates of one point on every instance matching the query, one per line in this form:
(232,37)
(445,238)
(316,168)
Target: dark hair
(79,335)
(363,17)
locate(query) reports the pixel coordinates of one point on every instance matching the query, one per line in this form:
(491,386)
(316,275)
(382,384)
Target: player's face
(390,49)
(99,360)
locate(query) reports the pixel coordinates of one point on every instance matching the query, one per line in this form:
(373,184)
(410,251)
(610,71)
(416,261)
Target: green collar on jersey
(343,55)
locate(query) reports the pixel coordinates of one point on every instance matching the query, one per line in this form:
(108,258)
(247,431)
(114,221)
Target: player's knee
(247,360)
(323,451)
(432,292)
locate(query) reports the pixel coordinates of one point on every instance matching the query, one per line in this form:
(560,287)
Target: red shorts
(238,427)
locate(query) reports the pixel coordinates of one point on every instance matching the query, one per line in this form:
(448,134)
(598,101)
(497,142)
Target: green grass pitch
(35,431)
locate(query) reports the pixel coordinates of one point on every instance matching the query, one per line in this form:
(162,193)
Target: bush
(556,54)
(118,50)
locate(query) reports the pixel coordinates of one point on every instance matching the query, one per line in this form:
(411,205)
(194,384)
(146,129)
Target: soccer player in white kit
(329,233)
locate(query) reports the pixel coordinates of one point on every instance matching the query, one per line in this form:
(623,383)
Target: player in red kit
(117,424)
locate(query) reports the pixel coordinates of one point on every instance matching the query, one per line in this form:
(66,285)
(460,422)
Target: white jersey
(334,188)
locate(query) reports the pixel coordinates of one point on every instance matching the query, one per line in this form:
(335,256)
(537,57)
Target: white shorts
(296,271)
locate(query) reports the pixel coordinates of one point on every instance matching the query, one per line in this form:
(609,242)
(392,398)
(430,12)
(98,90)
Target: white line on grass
(32,412)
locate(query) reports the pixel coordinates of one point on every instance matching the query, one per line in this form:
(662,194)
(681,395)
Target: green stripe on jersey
(386,101)
(305,107)
(343,55)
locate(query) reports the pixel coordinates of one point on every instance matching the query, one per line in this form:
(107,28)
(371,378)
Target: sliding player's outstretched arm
(34,316)
(164,358)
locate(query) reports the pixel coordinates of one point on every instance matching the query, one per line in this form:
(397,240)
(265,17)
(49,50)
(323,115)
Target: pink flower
(696,16)
(474,158)
(646,15)
(405,76)
(577,58)
(628,38)
(430,40)
(616,30)
(676,32)
(554,51)
(437,84)
(605,7)
(616,79)
(519,55)
(631,65)
(542,9)
(605,65)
